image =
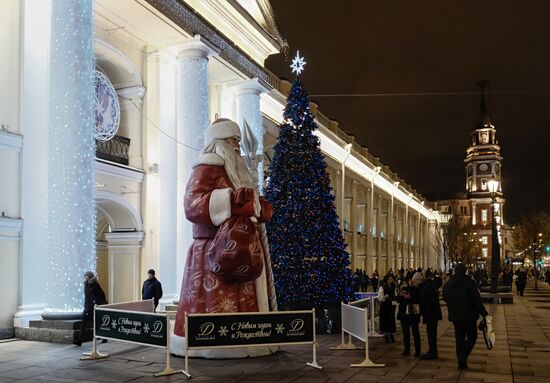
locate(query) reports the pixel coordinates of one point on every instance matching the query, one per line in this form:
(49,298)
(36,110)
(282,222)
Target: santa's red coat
(207,205)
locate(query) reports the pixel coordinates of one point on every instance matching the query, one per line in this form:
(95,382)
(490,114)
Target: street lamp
(495,246)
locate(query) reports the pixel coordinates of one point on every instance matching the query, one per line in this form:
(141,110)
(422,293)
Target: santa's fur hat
(221,129)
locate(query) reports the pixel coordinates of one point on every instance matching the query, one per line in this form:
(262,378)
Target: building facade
(173,65)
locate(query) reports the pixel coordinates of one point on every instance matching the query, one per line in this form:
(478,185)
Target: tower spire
(483,119)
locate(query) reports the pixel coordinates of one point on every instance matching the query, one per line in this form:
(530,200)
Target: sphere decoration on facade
(106,108)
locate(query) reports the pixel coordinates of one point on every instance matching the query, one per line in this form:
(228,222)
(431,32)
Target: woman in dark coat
(386,297)
(409,313)
(93,295)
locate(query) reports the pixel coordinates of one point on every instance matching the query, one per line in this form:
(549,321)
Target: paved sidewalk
(521,354)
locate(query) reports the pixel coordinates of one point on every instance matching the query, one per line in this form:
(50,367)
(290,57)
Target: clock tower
(483,164)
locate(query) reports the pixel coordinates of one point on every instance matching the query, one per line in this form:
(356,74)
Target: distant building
(483,163)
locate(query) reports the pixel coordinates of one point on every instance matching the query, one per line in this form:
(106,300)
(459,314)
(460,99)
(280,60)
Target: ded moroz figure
(226,268)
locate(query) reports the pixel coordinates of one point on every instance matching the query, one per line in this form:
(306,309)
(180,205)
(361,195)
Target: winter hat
(89,274)
(221,129)
(151,271)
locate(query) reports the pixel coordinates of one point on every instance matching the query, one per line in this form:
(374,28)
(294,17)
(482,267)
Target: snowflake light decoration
(280,328)
(298,64)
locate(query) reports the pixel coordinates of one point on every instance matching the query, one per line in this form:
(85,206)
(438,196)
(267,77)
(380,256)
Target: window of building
(464,210)
(485,252)
(505,240)
(484,240)
(483,215)
(483,184)
(446,209)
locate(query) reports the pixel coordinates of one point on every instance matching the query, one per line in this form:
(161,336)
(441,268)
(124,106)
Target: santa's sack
(235,254)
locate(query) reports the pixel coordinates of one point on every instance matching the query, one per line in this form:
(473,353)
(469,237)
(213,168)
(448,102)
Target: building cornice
(11,141)
(113,169)
(235,23)
(191,22)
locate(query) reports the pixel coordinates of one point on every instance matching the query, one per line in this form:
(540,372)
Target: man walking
(152,288)
(431,312)
(464,306)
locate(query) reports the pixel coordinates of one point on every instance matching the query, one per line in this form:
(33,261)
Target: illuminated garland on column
(71,177)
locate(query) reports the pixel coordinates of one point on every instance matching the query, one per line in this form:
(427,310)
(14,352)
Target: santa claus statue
(219,190)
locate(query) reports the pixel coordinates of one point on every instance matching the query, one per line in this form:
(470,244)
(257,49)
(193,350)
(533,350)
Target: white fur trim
(209,159)
(221,130)
(219,206)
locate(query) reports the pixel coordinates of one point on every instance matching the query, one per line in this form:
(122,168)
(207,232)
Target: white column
(247,105)
(71,156)
(161,201)
(192,120)
(34,114)
(124,266)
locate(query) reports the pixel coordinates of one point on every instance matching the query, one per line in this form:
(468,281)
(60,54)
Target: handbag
(235,254)
(486,326)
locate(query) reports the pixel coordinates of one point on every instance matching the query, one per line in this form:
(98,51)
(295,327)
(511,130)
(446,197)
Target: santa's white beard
(235,166)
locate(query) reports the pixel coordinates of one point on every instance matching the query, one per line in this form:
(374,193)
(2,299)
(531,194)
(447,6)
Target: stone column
(338,192)
(406,240)
(124,266)
(353,225)
(247,103)
(192,113)
(71,157)
(380,257)
(161,186)
(35,40)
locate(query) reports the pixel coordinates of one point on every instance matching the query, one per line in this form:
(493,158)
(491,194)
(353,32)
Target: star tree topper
(298,64)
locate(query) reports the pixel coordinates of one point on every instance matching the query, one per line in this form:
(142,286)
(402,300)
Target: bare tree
(456,240)
(530,236)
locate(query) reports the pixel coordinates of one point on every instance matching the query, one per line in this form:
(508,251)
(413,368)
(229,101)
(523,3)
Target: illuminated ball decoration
(106,108)
(309,259)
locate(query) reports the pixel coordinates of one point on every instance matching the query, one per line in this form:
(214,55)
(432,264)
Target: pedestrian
(152,288)
(93,295)
(438,280)
(374,280)
(521,280)
(409,313)
(464,307)
(431,313)
(386,297)
(364,281)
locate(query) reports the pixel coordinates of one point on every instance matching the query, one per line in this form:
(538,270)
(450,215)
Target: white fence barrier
(355,323)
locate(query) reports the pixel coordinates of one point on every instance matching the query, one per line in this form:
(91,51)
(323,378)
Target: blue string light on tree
(310,263)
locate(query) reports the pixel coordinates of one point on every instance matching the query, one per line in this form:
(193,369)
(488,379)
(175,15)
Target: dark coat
(521,277)
(387,310)
(429,301)
(152,289)
(413,298)
(463,299)
(93,295)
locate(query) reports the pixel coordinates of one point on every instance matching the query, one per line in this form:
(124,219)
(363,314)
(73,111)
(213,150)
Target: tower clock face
(483,167)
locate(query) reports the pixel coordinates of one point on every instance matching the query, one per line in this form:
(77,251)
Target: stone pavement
(521,354)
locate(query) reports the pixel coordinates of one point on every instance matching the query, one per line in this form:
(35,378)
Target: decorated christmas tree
(310,262)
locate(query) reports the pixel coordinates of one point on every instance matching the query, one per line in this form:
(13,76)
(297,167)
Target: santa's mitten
(242,202)
(267,210)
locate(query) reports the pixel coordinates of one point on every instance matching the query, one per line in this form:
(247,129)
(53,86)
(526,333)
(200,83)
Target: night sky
(438,46)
